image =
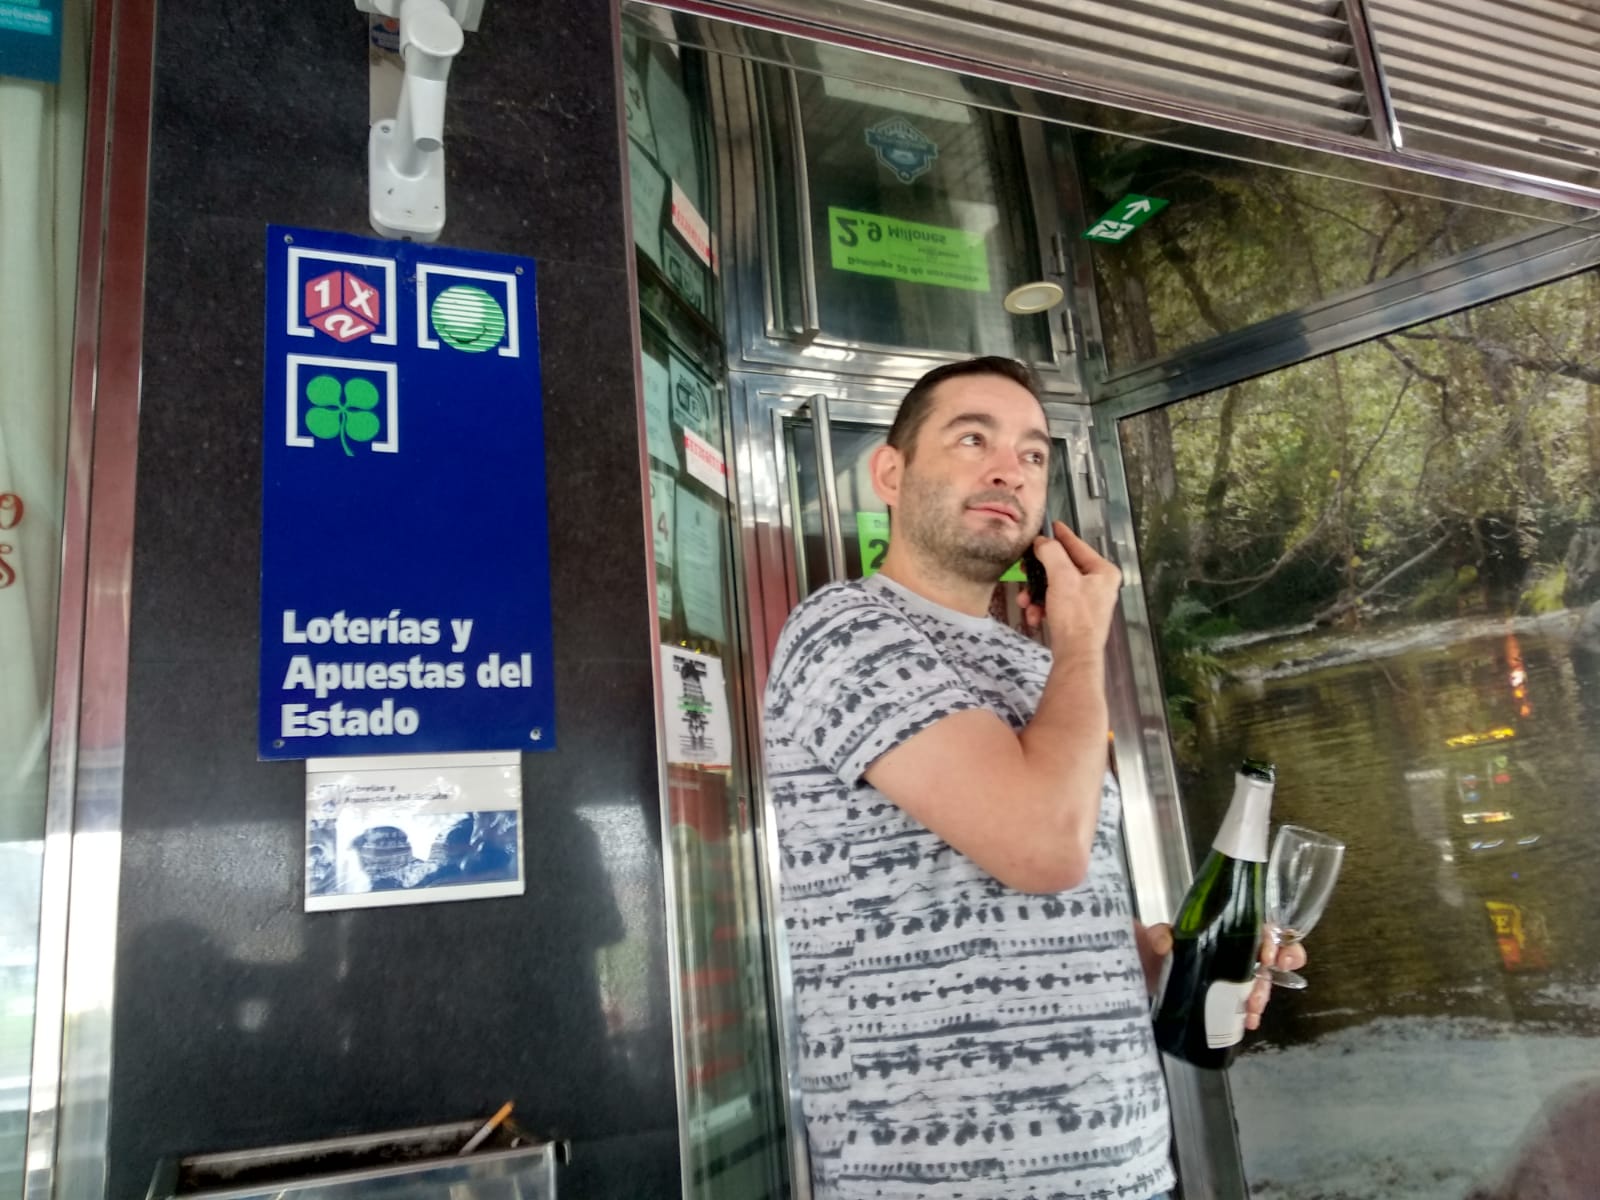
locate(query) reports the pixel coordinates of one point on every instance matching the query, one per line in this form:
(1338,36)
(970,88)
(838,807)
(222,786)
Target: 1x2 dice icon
(343,306)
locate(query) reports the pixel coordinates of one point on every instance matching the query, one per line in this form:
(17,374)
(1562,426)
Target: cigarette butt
(489,1127)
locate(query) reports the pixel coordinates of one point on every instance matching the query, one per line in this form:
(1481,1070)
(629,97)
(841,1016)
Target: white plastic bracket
(405,151)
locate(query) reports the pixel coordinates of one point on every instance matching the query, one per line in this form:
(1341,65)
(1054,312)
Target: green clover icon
(349,415)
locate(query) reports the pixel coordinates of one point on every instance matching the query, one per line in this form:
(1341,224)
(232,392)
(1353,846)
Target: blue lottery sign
(405,583)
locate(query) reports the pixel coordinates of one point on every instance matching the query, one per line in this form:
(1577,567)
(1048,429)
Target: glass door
(733,1138)
(1395,595)
(842,235)
(42,130)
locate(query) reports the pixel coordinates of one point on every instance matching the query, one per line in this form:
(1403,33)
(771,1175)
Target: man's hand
(1288,958)
(1155,943)
(1082,594)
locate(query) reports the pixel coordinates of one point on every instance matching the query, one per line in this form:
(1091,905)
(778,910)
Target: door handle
(827,499)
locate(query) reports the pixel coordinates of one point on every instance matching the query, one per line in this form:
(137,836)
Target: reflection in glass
(667,150)
(41,143)
(1381,569)
(728,1072)
(1238,243)
(916,228)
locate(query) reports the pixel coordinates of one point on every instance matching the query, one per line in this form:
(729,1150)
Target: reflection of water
(1364,752)
(1466,922)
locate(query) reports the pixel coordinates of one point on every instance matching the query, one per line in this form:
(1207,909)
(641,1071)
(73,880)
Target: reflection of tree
(1437,471)
(1444,469)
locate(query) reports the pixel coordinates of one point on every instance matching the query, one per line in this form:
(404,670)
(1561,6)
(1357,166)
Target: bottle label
(1225,1002)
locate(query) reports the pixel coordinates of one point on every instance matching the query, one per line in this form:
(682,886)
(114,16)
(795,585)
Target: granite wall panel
(241,1020)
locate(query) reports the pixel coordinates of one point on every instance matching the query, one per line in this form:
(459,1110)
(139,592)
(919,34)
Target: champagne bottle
(1216,940)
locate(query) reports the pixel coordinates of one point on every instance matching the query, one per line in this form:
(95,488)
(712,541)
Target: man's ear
(887,466)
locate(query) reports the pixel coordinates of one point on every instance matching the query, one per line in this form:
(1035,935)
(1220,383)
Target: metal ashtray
(407,1164)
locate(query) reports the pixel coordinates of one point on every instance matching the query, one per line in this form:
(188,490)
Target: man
(972,987)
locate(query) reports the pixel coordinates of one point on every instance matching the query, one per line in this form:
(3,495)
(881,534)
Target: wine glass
(1300,876)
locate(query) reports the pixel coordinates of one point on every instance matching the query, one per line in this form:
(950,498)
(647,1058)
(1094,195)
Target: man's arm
(1024,806)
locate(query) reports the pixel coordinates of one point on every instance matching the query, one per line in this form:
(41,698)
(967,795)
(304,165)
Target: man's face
(972,490)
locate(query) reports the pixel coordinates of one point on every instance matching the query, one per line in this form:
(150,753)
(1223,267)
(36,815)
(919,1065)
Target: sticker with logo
(903,148)
(348,403)
(343,305)
(468,318)
(340,295)
(465,309)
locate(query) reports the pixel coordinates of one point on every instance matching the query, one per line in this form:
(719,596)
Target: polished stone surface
(240,1019)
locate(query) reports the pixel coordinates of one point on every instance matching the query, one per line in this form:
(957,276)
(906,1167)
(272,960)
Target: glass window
(41,144)
(670,174)
(1381,569)
(918,212)
(735,1111)
(1238,242)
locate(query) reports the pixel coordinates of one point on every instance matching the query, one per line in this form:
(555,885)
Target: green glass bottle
(1216,940)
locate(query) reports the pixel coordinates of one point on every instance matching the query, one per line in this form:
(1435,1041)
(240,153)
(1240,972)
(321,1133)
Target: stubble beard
(933,521)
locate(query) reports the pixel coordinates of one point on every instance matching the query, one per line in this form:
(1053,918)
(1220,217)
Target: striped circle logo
(468,318)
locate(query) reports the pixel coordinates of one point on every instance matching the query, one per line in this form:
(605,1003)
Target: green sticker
(1124,217)
(907,250)
(872,538)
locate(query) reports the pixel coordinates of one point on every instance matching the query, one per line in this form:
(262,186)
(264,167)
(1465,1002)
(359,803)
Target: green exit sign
(1125,216)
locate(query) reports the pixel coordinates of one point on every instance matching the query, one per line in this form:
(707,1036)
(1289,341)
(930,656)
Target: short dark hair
(913,412)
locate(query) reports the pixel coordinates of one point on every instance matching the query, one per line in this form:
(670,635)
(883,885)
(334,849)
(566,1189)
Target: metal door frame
(69,1100)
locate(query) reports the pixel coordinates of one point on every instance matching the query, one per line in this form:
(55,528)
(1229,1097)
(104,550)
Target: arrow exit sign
(1125,216)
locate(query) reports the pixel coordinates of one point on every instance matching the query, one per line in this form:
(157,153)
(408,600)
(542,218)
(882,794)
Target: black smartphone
(1038,578)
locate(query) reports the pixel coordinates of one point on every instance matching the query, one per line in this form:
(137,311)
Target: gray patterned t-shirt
(961,1040)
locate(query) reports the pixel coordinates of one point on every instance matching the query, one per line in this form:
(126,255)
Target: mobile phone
(1038,578)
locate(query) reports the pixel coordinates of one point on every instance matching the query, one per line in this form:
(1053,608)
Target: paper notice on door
(705,462)
(691,226)
(698,730)
(684,272)
(638,111)
(658,410)
(698,566)
(412,829)
(691,398)
(663,512)
(674,124)
(647,193)
(872,540)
